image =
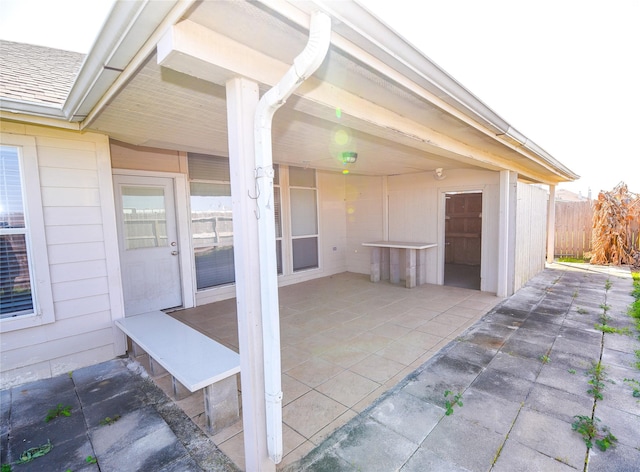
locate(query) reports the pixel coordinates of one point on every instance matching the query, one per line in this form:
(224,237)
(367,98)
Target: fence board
(573,229)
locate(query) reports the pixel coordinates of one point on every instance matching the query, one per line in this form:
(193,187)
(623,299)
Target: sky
(564,73)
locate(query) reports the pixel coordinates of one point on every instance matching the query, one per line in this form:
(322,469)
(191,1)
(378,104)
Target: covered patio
(345,341)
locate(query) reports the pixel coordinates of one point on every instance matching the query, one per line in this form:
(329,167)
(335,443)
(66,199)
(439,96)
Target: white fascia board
(28,114)
(126,30)
(30,108)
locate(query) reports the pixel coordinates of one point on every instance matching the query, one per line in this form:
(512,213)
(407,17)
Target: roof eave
(368,32)
(126,29)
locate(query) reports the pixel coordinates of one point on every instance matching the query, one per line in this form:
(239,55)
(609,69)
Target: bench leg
(375,264)
(221,404)
(421,267)
(410,268)
(155,369)
(180,392)
(394,265)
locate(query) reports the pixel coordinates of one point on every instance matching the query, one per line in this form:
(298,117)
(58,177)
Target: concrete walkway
(522,372)
(150,433)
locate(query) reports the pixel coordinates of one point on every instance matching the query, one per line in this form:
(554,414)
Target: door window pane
(145,219)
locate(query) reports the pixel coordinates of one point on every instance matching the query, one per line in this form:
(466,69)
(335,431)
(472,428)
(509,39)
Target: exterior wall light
(438,174)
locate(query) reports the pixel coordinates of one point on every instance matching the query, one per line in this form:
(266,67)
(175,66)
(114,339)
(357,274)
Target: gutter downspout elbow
(305,64)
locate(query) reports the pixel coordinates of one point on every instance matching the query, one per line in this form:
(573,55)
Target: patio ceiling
(396,125)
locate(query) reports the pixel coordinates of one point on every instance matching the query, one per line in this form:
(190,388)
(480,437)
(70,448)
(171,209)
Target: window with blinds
(277,210)
(15,275)
(211,220)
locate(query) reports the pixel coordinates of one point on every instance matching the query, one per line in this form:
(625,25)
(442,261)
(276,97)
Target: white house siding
(333,226)
(531,232)
(364,213)
(79,219)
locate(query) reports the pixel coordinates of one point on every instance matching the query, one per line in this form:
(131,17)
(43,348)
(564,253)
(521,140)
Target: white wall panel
(67,156)
(61,253)
(333,226)
(70,197)
(80,306)
(52,349)
(74,234)
(364,219)
(75,180)
(79,288)
(68,178)
(76,360)
(78,271)
(61,216)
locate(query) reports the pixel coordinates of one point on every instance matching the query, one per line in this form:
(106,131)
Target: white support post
(242,99)
(551,224)
(503,235)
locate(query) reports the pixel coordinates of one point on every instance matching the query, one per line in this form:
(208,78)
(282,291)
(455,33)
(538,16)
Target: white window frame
(290,223)
(37,254)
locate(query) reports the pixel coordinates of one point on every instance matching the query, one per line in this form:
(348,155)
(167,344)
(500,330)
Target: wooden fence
(574,221)
(573,229)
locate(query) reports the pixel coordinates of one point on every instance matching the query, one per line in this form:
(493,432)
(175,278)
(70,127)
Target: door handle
(174,253)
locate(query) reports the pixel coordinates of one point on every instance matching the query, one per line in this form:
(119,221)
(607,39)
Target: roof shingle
(37,74)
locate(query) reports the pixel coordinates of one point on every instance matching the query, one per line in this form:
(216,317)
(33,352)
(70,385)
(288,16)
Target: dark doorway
(463,239)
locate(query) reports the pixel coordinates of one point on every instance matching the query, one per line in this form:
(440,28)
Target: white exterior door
(148,242)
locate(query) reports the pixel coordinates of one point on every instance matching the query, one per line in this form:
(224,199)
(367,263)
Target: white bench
(194,361)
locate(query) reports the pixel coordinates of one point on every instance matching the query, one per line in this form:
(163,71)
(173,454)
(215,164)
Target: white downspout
(304,65)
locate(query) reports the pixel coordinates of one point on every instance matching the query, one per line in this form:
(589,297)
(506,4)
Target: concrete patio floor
(345,341)
(522,371)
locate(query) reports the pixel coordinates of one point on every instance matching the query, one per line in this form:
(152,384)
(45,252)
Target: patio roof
(392,105)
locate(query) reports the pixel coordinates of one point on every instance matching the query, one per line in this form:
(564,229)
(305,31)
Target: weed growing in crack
(607,285)
(590,431)
(108,420)
(611,330)
(598,376)
(449,403)
(634,309)
(582,311)
(59,410)
(544,359)
(635,385)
